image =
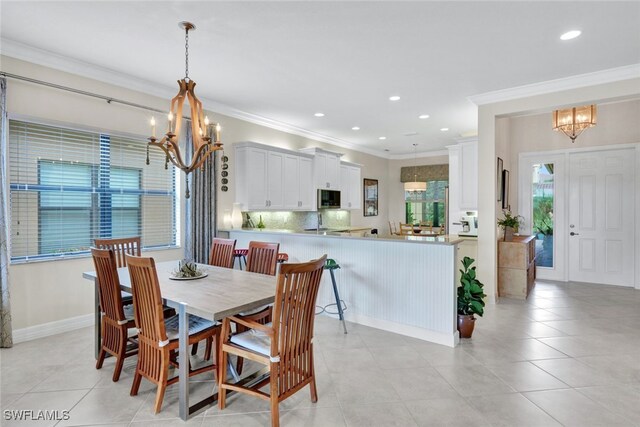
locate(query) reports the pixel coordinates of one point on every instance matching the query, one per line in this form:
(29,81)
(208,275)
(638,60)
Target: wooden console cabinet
(516,267)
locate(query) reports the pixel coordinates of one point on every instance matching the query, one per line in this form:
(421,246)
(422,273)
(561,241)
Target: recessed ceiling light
(386,149)
(355,128)
(444,129)
(423,116)
(382,138)
(394,98)
(319,114)
(570,35)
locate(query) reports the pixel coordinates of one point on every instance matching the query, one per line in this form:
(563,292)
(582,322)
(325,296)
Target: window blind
(68,187)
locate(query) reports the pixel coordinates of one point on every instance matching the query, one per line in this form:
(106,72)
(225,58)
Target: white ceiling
(285,61)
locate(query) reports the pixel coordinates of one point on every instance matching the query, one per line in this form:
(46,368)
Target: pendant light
(415,186)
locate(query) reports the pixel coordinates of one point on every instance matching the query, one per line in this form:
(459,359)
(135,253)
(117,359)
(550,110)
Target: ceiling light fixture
(423,116)
(572,121)
(355,128)
(444,129)
(415,186)
(394,98)
(382,138)
(570,35)
(319,114)
(205,136)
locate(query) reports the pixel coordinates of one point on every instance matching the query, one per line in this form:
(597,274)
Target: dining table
(222,292)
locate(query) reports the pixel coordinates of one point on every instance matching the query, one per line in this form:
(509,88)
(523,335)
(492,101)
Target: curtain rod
(82,92)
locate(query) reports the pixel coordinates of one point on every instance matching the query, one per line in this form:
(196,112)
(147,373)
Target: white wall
(44,292)
(492,143)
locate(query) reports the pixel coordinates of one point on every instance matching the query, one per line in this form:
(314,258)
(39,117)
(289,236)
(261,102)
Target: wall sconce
(572,121)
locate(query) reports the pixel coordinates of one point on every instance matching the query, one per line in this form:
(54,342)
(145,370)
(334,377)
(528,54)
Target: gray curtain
(200,215)
(424,173)
(6,339)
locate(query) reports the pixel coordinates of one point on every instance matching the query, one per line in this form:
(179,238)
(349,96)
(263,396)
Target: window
(68,187)
(543,205)
(426,206)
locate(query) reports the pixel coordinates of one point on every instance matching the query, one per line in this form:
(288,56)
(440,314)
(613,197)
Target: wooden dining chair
(121,247)
(406,229)
(392,228)
(262,258)
(221,254)
(284,346)
(117,318)
(158,337)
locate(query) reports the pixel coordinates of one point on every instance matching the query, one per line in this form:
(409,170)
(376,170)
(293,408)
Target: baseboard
(52,328)
(450,340)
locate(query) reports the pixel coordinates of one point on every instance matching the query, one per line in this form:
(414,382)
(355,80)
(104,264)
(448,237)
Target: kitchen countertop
(336,234)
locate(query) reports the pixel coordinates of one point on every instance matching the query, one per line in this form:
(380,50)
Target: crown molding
(24,52)
(566,83)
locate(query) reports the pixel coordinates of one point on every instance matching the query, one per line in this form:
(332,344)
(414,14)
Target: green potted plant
(510,224)
(470,298)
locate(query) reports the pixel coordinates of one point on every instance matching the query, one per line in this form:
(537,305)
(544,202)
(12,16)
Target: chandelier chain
(186,53)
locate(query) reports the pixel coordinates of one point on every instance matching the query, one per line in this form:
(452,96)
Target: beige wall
(44,292)
(396,188)
(529,135)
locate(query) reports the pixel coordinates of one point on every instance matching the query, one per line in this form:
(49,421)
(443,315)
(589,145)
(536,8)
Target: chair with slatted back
(222,251)
(284,346)
(121,247)
(262,258)
(406,229)
(117,318)
(392,228)
(158,337)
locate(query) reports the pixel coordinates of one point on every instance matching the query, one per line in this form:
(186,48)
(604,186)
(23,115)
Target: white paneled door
(601,217)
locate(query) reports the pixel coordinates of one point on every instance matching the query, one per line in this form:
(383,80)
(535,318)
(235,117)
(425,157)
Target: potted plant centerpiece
(470,298)
(510,224)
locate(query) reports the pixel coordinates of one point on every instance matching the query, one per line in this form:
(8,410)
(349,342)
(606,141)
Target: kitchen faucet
(319,222)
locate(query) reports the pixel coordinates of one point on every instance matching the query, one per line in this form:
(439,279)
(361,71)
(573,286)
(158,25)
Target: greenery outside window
(426,206)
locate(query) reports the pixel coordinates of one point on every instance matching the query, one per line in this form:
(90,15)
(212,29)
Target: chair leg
(314,391)
(194,349)
(118,368)
(222,377)
(160,396)
(162,383)
(273,391)
(136,383)
(207,351)
(239,364)
(100,360)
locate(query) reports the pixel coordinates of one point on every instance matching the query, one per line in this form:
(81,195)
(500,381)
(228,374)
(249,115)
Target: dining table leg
(183,367)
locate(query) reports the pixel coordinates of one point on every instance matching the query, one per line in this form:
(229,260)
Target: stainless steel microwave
(328,199)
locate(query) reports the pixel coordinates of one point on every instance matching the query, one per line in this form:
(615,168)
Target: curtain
(424,173)
(200,214)
(6,339)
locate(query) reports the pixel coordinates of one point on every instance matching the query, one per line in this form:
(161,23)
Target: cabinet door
(307,189)
(320,170)
(469,176)
(345,189)
(332,172)
(291,182)
(275,190)
(355,191)
(256,175)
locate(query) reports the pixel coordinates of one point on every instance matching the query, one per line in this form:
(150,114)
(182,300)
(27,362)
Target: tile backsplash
(299,220)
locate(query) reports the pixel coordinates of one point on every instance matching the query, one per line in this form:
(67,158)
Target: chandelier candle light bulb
(153,127)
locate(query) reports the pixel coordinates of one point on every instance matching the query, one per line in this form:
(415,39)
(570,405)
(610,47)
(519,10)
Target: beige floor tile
(56,402)
(623,400)
(623,368)
(419,384)
(525,376)
(577,346)
(511,410)
(474,380)
(170,404)
(171,422)
(398,357)
(571,408)
(348,360)
(363,387)
(380,415)
(573,372)
(76,376)
(101,405)
(452,412)
(541,330)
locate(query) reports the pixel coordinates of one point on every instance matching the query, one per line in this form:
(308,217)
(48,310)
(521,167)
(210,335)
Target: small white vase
(236,215)
(226,219)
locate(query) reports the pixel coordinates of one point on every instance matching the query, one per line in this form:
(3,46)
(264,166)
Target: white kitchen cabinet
(271,178)
(350,189)
(463,178)
(298,182)
(326,168)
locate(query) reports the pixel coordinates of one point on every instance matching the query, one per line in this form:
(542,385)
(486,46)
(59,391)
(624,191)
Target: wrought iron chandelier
(205,136)
(572,121)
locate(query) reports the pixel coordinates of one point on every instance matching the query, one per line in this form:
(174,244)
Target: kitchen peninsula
(401,284)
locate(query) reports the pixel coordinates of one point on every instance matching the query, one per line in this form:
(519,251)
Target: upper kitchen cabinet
(463,175)
(271,178)
(350,194)
(326,168)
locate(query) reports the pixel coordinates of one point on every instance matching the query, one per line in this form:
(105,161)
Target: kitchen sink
(316,229)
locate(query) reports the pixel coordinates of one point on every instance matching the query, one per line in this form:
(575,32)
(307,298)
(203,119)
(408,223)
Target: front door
(601,217)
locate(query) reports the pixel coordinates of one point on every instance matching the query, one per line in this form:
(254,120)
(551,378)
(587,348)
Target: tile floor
(569,356)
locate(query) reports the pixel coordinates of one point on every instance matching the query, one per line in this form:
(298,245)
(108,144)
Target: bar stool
(332,265)
(240,254)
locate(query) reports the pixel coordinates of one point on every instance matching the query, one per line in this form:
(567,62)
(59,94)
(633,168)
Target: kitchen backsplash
(299,220)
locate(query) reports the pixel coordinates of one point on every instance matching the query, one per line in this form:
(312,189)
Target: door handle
(574,234)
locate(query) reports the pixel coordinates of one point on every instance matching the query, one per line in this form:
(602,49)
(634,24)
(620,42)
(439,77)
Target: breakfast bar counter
(401,284)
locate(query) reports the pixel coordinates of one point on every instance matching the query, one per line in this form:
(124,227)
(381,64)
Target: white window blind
(69,187)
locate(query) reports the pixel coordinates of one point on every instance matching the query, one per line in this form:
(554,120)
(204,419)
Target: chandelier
(205,136)
(572,121)
(415,185)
